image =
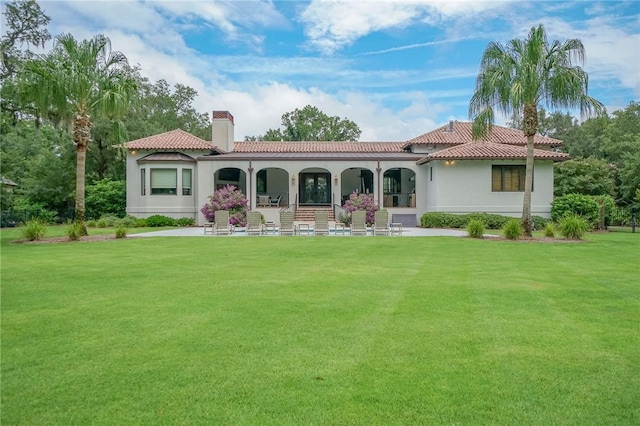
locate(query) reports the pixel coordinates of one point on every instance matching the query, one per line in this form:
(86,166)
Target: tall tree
(520,76)
(311,124)
(76,82)
(26,25)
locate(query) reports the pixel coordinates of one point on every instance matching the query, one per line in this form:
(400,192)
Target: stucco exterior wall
(465,187)
(176,206)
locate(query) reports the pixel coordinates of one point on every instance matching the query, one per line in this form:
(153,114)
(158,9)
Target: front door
(315,189)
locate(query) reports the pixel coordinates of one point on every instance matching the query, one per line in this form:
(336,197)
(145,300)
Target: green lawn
(321,330)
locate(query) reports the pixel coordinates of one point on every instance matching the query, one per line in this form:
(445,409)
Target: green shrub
(111,220)
(575,204)
(539,222)
(91,224)
(141,223)
(188,221)
(106,197)
(443,220)
(550,230)
(74,231)
(475,228)
(573,227)
(449,220)
(160,220)
(102,223)
(512,229)
(491,221)
(128,221)
(34,229)
(345,219)
(121,231)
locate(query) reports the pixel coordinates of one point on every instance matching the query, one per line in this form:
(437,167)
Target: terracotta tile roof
(318,146)
(173,140)
(462,134)
(491,151)
(167,156)
(313,156)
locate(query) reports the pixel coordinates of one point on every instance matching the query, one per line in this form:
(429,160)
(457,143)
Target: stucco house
(443,170)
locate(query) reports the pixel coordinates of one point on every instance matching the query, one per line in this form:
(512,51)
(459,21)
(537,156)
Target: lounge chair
(381,223)
(287,227)
(263,201)
(254,223)
(321,223)
(221,225)
(359,222)
(275,202)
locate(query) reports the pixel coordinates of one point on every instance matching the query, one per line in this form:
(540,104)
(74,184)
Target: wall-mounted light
(133,152)
(293,179)
(335,179)
(449,163)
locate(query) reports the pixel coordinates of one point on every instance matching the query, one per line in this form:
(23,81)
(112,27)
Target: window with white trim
(186,182)
(164,181)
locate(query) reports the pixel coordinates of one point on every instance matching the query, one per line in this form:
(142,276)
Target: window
(186,181)
(507,178)
(164,181)
(143,182)
(261,181)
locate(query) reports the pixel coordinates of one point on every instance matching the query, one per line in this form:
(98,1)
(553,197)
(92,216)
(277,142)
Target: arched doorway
(231,176)
(398,186)
(273,182)
(356,179)
(315,187)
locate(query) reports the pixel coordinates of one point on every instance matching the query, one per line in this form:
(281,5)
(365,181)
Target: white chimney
(222,130)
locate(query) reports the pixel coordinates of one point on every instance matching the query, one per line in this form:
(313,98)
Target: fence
(15,217)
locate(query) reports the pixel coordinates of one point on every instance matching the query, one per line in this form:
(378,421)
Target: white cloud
(259,108)
(334,24)
(612,49)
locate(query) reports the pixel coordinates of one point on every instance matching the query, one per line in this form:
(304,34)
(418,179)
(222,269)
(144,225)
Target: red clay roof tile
(318,146)
(175,139)
(491,151)
(462,134)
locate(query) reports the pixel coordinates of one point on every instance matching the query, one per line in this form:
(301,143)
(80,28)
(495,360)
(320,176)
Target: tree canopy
(522,75)
(311,124)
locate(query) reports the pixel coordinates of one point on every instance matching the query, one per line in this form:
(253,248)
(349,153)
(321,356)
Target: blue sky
(398,69)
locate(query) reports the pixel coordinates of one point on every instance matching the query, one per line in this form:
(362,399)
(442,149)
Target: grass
(316,330)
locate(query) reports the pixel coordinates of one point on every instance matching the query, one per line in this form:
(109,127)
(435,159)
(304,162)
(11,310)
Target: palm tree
(72,84)
(517,77)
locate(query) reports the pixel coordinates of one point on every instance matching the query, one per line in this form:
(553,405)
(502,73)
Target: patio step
(307,214)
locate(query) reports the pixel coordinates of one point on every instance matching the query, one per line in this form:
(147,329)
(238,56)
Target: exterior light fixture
(293,179)
(335,179)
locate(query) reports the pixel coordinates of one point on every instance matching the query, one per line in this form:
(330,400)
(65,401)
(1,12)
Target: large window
(164,181)
(507,178)
(186,181)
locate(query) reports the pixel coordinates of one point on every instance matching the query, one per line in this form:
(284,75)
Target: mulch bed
(84,239)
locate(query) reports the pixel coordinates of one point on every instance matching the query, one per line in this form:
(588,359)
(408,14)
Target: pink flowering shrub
(361,202)
(227,198)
